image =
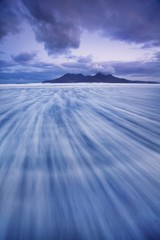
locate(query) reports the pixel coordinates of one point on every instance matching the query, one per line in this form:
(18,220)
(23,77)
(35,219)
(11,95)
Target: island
(97,78)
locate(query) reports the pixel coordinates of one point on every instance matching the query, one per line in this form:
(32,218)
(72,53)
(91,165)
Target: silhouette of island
(97,78)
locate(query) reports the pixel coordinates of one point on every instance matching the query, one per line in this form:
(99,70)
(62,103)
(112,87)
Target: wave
(80,162)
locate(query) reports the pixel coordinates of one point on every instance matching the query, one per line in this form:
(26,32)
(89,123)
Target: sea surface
(80,162)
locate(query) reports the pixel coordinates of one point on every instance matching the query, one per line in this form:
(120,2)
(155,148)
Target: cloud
(24,57)
(135,70)
(33,70)
(21,71)
(6,65)
(157,56)
(58,31)
(149,70)
(58,24)
(28,60)
(86,65)
(137,67)
(9,17)
(25,66)
(24,76)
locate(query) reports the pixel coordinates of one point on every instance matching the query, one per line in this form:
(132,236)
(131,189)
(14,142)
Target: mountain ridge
(97,78)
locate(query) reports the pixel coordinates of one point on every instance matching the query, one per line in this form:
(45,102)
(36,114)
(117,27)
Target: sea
(80,162)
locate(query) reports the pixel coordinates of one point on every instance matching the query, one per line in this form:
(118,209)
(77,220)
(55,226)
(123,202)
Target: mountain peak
(97,78)
(99,74)
(72,74)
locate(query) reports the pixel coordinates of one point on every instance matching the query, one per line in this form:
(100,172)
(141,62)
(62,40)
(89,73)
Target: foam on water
(80,162)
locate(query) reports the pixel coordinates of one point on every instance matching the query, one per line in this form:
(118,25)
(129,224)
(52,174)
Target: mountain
(97,78)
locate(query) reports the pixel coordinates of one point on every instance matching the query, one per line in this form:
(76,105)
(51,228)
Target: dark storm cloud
(24,57)
(9,17)
(58,24)
(52,25)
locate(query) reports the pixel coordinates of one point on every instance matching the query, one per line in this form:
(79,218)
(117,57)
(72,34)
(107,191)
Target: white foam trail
(79,162)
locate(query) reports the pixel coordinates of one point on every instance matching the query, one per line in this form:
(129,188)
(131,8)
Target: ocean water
(80,162)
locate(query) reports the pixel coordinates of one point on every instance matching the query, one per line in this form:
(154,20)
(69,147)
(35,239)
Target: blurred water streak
(80,163)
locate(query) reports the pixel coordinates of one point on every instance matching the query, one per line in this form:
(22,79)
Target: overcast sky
(41,40)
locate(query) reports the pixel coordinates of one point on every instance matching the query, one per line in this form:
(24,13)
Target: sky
(42,40)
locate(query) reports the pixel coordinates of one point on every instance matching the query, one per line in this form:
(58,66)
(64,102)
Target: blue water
(80,162)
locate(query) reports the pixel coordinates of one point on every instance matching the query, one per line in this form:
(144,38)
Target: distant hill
(97,78)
